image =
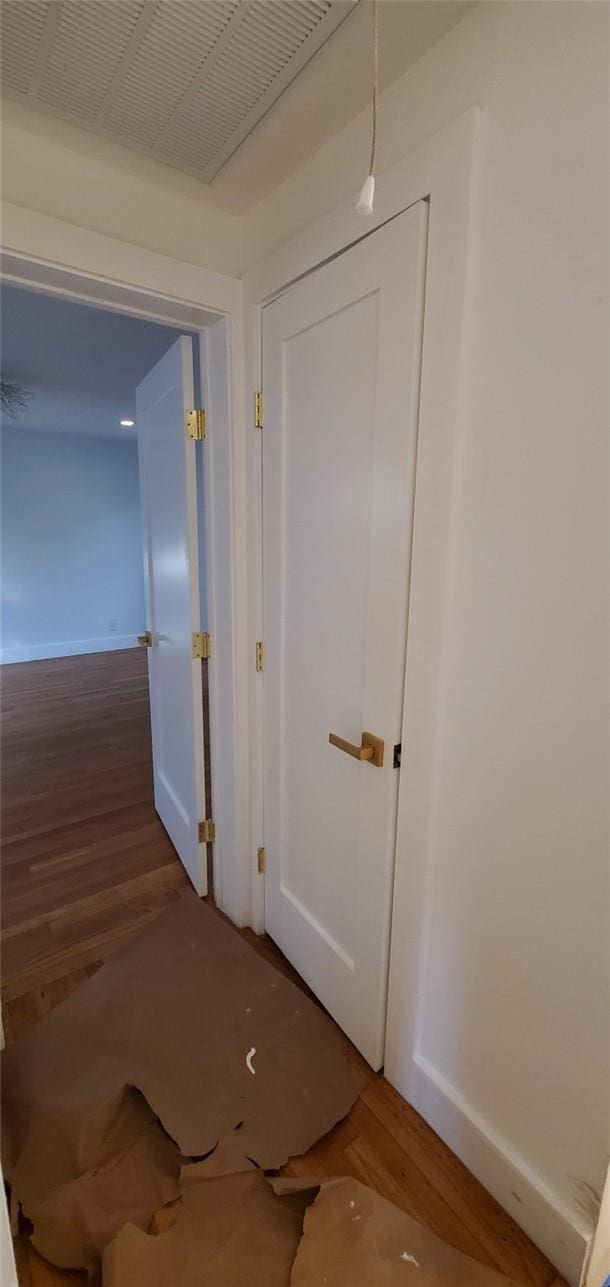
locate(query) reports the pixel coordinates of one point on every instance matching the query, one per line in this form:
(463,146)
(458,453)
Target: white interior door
(171,573)
(341,361)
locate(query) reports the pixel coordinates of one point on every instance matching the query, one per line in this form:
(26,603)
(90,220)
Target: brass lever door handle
(145,640)
(371,748)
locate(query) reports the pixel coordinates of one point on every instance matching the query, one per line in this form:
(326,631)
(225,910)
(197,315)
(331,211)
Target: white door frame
(441,170)
(49,255)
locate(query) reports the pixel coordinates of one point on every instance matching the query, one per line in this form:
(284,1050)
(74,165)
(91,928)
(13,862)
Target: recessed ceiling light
(127,424)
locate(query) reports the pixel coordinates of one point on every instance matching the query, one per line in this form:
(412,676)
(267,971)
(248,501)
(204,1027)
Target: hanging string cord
(375,78)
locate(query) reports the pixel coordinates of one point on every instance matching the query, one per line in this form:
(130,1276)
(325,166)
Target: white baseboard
(561,1233)
(67,648)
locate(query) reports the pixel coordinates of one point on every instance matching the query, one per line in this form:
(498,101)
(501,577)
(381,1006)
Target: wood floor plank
(468,1199)
(21,1014)
(86,863)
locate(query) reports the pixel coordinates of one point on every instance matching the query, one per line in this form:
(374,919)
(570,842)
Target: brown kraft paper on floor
(126,1168)
(229,1232)
(245,1231)
(230,1056)
(352,1237)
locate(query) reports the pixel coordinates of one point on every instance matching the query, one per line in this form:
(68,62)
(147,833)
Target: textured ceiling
(183,81)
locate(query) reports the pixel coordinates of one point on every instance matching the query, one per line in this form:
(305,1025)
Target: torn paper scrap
(385,1248)
(79,1182)
(229,1232)
(172,1014)
(226,1159)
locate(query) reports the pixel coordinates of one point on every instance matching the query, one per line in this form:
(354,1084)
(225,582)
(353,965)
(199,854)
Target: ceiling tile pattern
(83,54)
(22,28)
(184,81)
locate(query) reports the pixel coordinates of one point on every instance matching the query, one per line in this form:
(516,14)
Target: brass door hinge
(202,646)
(258,410)
(195,424)
(207,832)
(262,861)
(260,656)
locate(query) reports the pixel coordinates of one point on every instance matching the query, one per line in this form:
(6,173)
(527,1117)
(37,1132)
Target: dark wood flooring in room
(86,864)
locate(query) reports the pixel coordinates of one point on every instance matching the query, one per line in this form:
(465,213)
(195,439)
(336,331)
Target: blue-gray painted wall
(71,553)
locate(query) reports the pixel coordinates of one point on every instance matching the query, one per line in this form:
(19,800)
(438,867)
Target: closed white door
(341,361)
(171,574)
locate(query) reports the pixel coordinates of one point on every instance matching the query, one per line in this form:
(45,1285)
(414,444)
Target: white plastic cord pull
(364,205)
(365,202)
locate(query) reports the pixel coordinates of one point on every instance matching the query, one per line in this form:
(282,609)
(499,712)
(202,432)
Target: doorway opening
(86,858)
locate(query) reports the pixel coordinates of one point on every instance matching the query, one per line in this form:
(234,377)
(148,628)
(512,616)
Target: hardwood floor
(86,863)
(85,860)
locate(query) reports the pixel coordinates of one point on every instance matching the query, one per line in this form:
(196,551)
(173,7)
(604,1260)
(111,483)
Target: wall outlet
(113,626)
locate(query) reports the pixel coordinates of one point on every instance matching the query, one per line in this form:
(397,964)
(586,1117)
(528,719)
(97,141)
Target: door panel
(341,356)
(169,519)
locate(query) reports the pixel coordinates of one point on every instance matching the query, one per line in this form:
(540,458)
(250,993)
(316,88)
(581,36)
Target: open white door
(171,574)
(341,362)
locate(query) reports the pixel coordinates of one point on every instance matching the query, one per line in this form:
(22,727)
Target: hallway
(86,863)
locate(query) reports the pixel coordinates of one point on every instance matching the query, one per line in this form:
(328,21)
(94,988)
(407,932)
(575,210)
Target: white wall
(57,169)
(72,570)
(514,987)
(522,52)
